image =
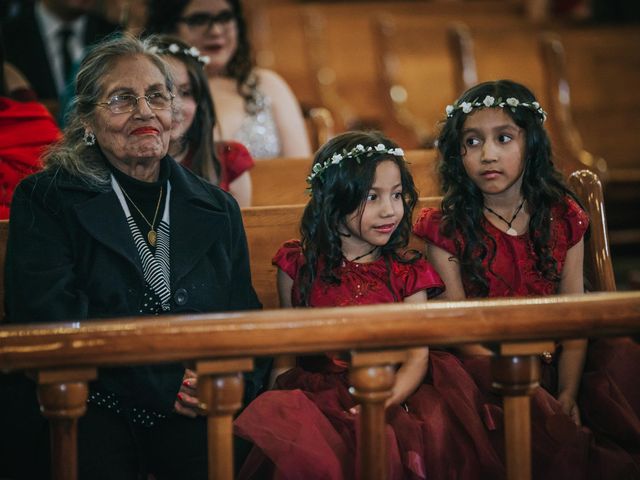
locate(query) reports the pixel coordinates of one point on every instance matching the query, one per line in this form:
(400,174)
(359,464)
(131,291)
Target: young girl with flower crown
(355,232)
(508,226)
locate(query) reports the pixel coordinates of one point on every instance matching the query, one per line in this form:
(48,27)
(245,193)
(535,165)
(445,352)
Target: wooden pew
(268,227)
(603,116)
(282,181)
(327,53)
(65,356)
(413,62)
(63,371)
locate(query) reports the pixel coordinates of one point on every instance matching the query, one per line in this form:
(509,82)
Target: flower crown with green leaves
(356,152)
(492,102)
(175,49)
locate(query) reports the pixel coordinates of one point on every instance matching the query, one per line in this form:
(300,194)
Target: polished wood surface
(598,267)
(268,227)
(282,181)
(126,341)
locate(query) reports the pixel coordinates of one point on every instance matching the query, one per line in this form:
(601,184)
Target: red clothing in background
(25,130)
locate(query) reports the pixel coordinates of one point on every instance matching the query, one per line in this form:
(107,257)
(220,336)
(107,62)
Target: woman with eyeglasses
(255,106)
(114,227)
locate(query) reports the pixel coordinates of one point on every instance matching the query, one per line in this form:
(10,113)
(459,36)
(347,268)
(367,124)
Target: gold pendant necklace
(152,236)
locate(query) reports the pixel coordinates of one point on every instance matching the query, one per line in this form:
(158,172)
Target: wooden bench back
(282,181)
(268,227)
(595,76)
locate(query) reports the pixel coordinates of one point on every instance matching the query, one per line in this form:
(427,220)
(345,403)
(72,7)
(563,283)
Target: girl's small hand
(570,407)
(187,402)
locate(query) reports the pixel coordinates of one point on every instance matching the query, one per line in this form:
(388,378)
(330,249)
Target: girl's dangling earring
(89,138)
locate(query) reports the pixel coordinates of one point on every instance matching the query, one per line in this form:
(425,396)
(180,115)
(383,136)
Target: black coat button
(181,296)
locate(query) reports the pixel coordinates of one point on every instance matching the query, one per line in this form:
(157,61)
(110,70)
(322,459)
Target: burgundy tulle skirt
(560,449)
(304,428)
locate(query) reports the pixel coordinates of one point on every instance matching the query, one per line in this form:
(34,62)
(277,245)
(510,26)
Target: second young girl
(510,227)
(355,231)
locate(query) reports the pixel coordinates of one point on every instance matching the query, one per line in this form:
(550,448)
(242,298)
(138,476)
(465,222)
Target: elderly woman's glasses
(204,21)
(128,103)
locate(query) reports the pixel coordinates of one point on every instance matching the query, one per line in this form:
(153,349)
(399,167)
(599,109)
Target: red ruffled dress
(560,449)
(26,128)
(234,159)
(303,429)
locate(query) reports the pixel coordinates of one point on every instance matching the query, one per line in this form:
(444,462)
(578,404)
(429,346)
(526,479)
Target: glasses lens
(197,20)
(159,100)
(204,20)
(122,103)
(224,17)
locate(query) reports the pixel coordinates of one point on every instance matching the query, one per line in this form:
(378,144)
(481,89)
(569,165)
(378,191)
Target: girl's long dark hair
(463,202)
(338,192)
(199,137)
(163,18)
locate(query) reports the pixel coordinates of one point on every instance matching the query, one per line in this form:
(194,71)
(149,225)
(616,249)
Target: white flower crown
(174,49)
(357,151)
(490,102)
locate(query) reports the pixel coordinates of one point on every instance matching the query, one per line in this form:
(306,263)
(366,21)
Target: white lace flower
(355,153)
(194,52)
(204,59)
(535,104)
(153,49)
(466,107)
(173,48)
(449,110)
(513,102)
(488,101)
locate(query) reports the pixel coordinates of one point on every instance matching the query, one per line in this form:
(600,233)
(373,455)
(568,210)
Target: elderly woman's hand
(187,401)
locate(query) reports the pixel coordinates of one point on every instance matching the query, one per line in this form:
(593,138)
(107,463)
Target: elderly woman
(114,227)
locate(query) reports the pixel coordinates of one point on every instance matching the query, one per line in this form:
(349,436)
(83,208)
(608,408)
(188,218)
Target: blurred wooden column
(372,376)
(516,374)
(220,391)
(63,399)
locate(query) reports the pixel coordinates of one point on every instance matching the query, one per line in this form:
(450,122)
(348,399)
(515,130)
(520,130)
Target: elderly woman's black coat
(71,257)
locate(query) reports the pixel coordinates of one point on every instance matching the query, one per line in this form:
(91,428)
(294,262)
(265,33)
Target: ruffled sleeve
(417,276)
(427,227)
(577,222)
(289,258)
(235,159)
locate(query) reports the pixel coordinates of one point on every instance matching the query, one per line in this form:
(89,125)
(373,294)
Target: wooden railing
(65,357)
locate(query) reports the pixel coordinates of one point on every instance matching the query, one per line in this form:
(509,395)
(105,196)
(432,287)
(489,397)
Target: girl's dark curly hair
(339,191)
(199,137)
(164,16)
(463,202)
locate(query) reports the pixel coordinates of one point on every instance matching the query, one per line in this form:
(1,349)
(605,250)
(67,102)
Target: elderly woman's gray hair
(71,153)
